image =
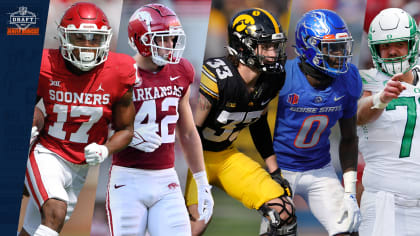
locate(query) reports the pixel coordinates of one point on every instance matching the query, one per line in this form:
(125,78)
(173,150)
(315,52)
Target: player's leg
(127,215)
(324,195)
(54,185)
(45,181)
(407,214)
(169,216)
(245,180)
(191,198)
(32,218)
(368,212)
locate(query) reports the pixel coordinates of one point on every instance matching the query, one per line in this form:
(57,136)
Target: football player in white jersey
(387,115)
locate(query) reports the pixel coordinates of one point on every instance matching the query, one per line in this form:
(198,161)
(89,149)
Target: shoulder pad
(368,76)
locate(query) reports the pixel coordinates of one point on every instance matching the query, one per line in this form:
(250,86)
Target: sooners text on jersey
(79,107)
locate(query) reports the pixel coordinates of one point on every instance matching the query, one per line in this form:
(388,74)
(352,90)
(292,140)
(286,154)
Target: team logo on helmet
(242,22)
(144,16)
(322,27)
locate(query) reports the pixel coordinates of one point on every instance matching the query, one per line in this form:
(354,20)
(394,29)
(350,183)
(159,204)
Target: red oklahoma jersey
(79,107)
(156,97)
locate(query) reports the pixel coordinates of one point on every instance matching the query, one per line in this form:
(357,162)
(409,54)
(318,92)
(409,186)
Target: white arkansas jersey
(391,144)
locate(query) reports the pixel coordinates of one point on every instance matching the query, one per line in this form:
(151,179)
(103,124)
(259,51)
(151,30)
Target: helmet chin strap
(158,60)
(324,79)
(396,67)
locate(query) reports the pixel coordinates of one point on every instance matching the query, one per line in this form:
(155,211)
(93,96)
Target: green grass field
(232,218)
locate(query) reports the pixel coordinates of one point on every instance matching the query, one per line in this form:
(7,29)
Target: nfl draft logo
(293,98)
(22,22)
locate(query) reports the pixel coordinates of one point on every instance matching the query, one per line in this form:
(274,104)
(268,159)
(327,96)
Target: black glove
(278,177)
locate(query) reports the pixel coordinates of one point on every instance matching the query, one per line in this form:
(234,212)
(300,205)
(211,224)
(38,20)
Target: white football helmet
(393,25)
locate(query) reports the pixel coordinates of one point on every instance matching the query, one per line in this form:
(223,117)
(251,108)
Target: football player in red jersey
(144,190)
(84,88)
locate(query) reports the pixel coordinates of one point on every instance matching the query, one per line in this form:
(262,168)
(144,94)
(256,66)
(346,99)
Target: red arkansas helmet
(82,23)
(151,24)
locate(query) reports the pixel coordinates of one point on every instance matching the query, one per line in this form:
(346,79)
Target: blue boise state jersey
(306,115)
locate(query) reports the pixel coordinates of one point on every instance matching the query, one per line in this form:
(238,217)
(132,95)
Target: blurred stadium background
(230,217)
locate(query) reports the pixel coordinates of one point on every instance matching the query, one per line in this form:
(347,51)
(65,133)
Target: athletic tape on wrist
(350,179)
(377,103)
(201,178)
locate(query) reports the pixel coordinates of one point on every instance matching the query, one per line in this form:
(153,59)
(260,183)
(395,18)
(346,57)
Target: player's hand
(146,139)
(278,177)
(34,135)
(350,219)
(205,199)
(205,202)
(392,89)
(95,153)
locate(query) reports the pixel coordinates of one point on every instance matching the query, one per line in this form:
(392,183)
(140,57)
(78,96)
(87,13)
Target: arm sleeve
(261,135)
(209,87)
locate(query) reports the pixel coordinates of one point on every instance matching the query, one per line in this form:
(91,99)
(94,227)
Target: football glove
(34,135)
(205,199)
(350,218)
(146,139)
(95,153)
(278,177)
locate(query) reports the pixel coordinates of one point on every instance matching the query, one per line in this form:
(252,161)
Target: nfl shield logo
(293,98)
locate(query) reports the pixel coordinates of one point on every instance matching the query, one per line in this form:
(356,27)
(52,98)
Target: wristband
(201,178)
(350,179)
(377,103)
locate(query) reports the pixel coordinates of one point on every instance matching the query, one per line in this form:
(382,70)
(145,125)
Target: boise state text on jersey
(306,115)
(233,106)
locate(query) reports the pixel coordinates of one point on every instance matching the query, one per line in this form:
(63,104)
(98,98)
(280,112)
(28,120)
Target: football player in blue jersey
(321,88)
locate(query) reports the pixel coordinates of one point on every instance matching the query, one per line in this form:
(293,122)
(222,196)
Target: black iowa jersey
(233,106)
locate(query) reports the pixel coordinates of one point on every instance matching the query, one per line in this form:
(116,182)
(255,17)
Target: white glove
(145,138)
(95,153)
(205,199)
(350,219)
(34,135)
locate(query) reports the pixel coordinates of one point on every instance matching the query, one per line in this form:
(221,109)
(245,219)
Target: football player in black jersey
(234,93)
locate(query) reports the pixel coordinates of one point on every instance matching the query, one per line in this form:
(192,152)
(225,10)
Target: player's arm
(188,136)
(202,111)
(371,106)
(348,148)
(38,120)
(123,114)
(191,145)
(348,151)
(261,136)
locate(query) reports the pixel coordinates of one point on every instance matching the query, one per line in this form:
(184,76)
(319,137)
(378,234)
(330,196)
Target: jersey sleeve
(209,87)
(189,70)
(354,85)
(128,73)
(370,81)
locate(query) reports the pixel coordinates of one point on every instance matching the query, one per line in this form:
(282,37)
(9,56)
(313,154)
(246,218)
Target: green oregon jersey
(233,106)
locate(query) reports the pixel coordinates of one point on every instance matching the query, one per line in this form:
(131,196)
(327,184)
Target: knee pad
(272,224)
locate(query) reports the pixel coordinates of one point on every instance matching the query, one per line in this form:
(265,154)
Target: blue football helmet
(324,41)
